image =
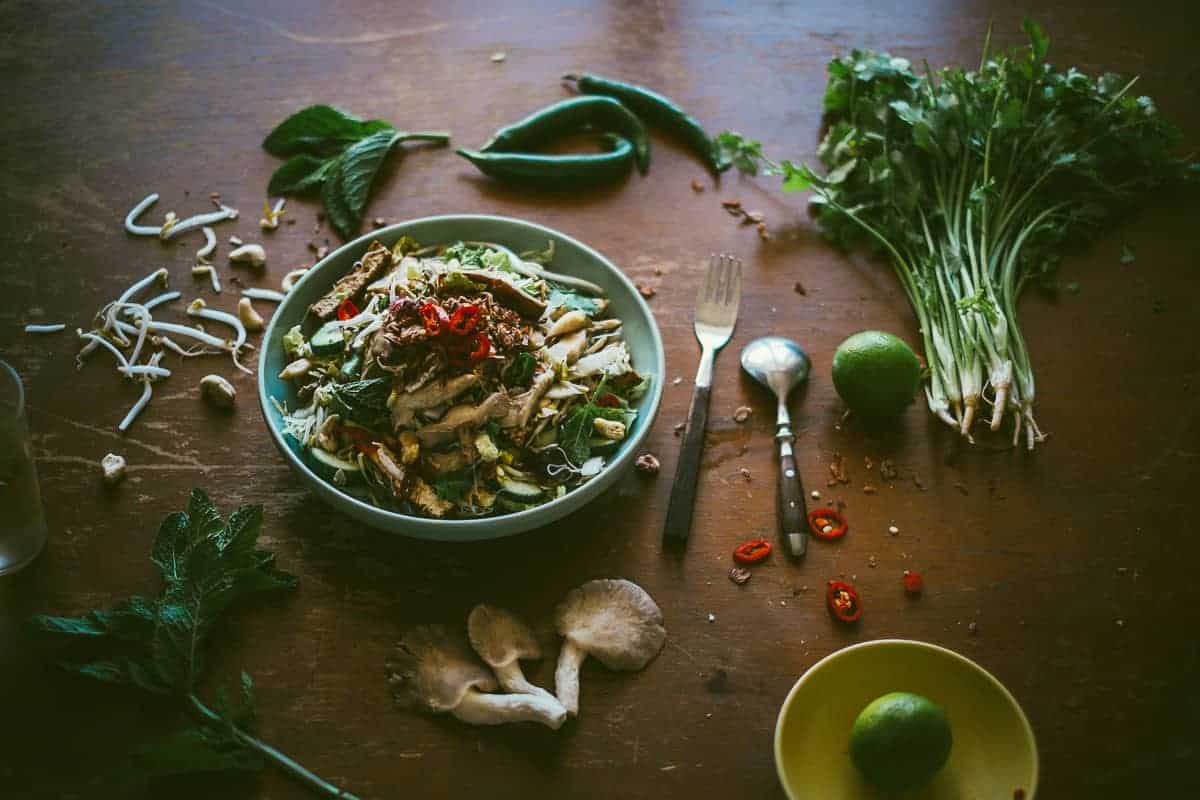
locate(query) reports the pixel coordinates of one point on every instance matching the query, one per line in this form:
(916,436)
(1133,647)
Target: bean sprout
(270,220)
(199,309)
(211,272)
(173,228)
(290,279)
(210,244)
(55,328)
(147,391)
(135,212)
(96,340)
(109,312)
(263,294)
(166,297)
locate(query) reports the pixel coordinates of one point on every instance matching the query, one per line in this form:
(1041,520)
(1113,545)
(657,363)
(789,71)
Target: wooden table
(1073,566)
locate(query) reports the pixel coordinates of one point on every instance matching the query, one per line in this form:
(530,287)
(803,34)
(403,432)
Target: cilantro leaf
(575,435)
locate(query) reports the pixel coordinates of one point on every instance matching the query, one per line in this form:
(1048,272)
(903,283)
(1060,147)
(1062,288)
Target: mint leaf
(1039,42)
(572,300)
(354,173)
(318,130)
(520,373)
(300,174)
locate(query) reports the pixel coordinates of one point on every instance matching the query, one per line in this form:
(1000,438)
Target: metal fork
(716,314)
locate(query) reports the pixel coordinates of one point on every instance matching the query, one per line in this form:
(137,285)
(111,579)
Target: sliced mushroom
(493,406)
(503,640)
(605,325)
(612,361)
(570,322)
(405,405)
(433,671)
(613,620)
(523,303)
(521,409)
(567,349)
(564,389)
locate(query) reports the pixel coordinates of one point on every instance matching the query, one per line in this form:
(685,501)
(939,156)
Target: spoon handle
(793,513)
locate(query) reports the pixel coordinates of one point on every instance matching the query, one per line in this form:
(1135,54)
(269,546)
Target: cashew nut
(249,317)
(114,469)
(297,368)
(252,254)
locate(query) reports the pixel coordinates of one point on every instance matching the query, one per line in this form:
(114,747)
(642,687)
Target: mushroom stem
(479,708)
(512,679)
(566,676)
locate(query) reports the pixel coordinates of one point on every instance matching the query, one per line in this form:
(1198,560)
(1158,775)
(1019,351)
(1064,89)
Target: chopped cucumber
(328,465)
(328,340)
(519,490)
(351,368)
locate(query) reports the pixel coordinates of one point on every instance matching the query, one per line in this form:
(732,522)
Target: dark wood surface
(1075,563)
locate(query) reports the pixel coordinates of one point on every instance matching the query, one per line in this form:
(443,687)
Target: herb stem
(437,137)
(314,781)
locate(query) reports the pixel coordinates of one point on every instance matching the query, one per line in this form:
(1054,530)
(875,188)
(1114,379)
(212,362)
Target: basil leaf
(572,300)
(319,130)
(349,183)
(521,371)
(576,433)
(299,174)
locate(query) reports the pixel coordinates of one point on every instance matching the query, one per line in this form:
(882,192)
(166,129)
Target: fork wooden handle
(683,490)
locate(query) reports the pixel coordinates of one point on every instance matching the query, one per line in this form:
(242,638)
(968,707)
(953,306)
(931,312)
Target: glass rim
(8,373)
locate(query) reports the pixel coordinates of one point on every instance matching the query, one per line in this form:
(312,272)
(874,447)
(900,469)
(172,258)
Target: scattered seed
(322,252)
(697,185)
(739,575)
(973,628)
(1120,623)
(741,414)
(893,530)
(677,381)
(962,487)
(647,464)
(112,467)
(814,494)
(712,617)
(763,233)
(798,288)
(235,241)
(757,217)
(379,222)
(868,463)
(732,205)
(871,562)
(745,473)
(499,57)
(869,489)
(837,470)
(646,291)
(679,427)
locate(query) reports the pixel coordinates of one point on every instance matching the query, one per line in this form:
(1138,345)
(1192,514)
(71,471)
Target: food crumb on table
(697,185)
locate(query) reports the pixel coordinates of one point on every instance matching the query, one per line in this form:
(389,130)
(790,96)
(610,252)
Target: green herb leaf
(574,437)
(318,130)
(454,282)
(466,255)
(300,174)
(453,487)
(520,372)
(1039,42)
(572,300)
(363,402)
(352,177)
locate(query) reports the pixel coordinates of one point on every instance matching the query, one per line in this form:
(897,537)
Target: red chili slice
(823,518)
(481,347)
(464,320)
(346,310)
(434,318)
(843,601)
(913,582)
(363,440)
(609,400)
(752,551)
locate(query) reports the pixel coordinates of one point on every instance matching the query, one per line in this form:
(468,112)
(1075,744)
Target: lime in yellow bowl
(994,755)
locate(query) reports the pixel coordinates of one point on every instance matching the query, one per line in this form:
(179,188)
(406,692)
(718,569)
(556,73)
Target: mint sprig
(338,155)
(157,643)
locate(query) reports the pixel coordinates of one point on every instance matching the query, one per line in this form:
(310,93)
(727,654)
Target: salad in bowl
(459,380)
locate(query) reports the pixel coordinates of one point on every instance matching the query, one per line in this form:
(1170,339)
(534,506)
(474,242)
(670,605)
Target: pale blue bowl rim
(512,523)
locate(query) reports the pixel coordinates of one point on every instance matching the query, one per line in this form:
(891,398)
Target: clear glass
(22,524)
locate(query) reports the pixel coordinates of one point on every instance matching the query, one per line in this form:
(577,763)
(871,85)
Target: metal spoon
(780,365)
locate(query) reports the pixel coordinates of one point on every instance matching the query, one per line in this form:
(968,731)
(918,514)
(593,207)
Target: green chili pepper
(656,109)
(601,113)
(556,171)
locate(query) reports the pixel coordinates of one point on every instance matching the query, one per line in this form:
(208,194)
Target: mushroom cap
(613,620)
(500,637)
(433,668)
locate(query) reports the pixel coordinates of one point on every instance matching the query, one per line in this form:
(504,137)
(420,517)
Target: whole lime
(876,373)
(900,740)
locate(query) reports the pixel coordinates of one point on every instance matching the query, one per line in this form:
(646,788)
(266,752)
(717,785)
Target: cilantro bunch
(338,155)
(157,643)
(972,183)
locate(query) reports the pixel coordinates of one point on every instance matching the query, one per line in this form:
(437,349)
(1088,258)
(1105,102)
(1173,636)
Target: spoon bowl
(777,363)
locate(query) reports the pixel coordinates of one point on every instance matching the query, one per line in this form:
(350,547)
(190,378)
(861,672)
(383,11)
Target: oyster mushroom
(614,621)
(433,671)
(503,640)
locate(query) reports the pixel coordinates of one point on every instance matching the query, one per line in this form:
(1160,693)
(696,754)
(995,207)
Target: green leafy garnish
(575,433)
(457,283)
(466,255)
(972,183)
(337,154)
(362,402)
(158,643)
(520,372)
(572,300)
(454,486)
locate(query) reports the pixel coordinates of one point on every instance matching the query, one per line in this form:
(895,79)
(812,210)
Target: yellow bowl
(994,752)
